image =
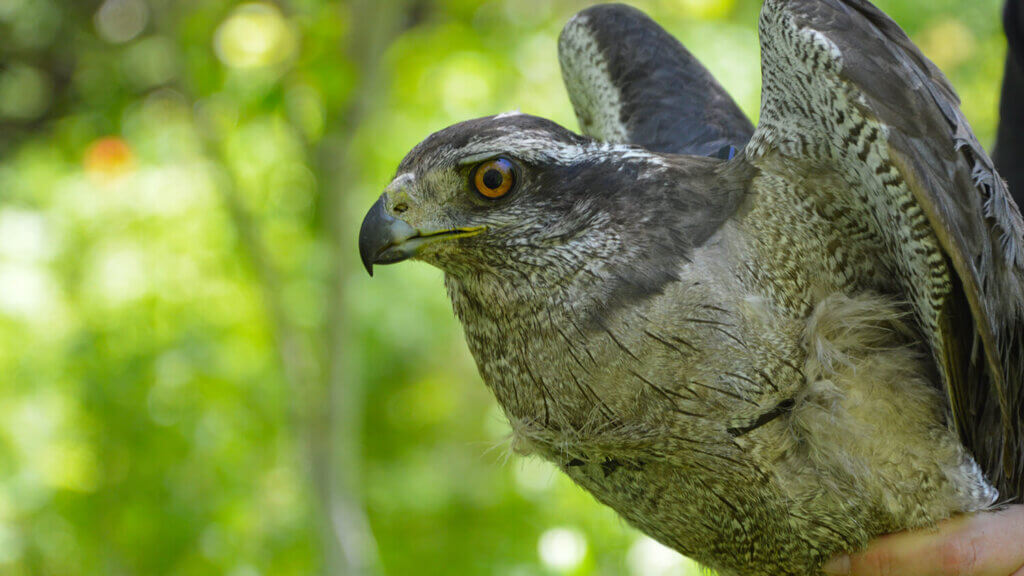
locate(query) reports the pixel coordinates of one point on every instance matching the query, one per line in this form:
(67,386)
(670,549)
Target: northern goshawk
(760,355)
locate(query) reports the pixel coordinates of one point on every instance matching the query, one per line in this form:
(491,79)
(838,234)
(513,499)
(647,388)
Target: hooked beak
(384,239)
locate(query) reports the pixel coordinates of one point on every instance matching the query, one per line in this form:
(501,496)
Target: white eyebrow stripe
(402,182)
(478,157)
(526,145)
(404,179)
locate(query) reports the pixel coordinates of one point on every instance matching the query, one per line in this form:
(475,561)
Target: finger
(990,544)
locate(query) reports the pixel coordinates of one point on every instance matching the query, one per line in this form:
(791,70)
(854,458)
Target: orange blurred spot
(109,157)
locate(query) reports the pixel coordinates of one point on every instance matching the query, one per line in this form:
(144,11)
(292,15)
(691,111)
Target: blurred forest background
(196,376)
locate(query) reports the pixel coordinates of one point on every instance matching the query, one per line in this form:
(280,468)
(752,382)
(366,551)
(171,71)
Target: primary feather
(631,82)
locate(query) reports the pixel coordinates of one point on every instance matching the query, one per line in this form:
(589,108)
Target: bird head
(520,197)
(480,194)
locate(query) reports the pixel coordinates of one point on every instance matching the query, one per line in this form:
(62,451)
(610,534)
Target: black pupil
(493,178)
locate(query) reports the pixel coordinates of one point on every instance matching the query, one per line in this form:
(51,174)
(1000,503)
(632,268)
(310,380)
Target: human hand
(986,544)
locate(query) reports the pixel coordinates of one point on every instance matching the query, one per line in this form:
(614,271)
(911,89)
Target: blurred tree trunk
(336,411)
(328,391)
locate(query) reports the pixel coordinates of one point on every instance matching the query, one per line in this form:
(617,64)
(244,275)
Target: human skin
(988,544)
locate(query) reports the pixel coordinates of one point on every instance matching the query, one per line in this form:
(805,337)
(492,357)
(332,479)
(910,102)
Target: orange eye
(494,178)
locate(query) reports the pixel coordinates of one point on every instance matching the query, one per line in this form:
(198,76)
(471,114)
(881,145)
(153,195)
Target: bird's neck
(514,296)
(507,322)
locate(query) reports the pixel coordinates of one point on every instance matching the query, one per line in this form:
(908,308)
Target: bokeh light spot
(466,83)
(71,465)
(27,291)
(119,21)
(109,157)
(254,36)
(648,557)
(31,23)
(151,61)
(25,236)
(948,43)
(562,549)
(25,93)
(117,274)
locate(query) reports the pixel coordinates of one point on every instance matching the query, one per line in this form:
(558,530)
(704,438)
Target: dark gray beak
(381,237)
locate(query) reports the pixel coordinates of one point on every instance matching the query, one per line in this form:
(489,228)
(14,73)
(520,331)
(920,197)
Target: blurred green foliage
(196,377)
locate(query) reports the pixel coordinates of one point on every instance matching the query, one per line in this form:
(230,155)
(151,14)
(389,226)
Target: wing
(631,82)
(846,92)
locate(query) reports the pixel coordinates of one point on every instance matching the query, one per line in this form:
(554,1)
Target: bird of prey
(759,358)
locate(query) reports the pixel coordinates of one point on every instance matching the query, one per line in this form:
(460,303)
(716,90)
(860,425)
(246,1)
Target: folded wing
(847,92)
